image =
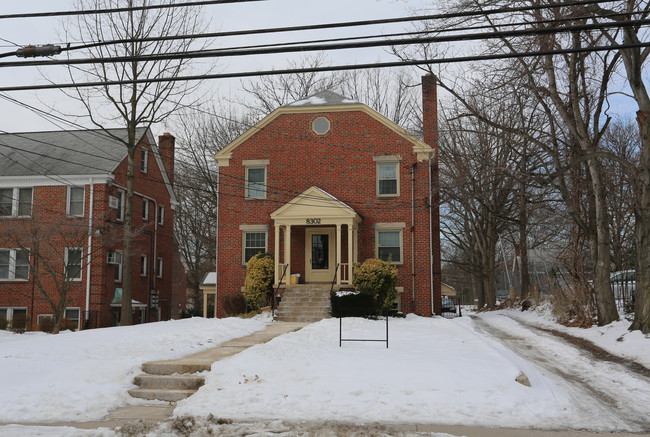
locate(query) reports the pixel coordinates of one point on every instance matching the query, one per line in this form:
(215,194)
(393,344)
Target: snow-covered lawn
(81,376)
(435,371)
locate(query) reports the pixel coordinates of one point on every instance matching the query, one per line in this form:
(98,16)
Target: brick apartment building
(62,200)
(327,182)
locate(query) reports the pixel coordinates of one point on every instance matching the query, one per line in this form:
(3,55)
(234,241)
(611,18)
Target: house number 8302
(313,221)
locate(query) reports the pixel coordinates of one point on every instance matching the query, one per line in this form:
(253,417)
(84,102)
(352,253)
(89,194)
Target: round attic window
(321,125)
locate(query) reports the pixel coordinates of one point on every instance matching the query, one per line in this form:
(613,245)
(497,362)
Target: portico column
(287,252)
(350,244)
(276,243)
(338,254)
(205,304)
(355,230)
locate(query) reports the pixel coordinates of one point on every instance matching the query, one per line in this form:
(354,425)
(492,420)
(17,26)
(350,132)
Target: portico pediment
(315,206)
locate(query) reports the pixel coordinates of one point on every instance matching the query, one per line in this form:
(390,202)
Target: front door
(320,254)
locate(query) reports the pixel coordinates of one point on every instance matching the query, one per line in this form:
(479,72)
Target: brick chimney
(430,132)
(166,145)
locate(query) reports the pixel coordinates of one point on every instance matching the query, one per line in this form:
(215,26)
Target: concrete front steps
(304,303)
(173,380)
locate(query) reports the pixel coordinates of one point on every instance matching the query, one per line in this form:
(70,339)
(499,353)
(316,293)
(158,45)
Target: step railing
(277,290)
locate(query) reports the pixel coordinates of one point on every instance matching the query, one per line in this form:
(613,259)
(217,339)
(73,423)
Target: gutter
(413,236)
(431,235)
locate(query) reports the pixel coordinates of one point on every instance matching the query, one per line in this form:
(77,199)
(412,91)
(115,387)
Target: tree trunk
(642,296)
(126,315)
(605,304)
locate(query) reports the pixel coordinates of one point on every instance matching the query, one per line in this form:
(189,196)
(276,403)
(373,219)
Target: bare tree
(57,251)
(135,105)
(203,134)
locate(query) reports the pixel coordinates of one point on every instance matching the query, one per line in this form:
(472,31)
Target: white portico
(324,219)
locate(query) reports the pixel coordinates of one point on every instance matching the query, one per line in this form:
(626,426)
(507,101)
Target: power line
(445,16)
(229,52)
(118,10)
(401,63)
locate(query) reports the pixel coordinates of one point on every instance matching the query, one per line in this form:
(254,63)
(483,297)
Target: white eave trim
(53,180)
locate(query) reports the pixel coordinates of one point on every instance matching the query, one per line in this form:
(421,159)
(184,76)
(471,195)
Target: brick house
(327,182)
(62,200)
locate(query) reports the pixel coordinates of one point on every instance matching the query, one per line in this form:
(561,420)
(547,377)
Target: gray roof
(80,152)
(324,98)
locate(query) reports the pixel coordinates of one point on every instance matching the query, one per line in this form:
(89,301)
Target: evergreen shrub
(376,278)
(258,286)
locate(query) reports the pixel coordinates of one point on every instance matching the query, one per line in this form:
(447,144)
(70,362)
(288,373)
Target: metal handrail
(334,278)
(275,293)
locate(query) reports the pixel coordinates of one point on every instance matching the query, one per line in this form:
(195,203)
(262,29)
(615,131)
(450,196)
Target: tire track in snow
(619,402)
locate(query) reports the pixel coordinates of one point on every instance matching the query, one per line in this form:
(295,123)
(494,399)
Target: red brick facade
(57,230)
(344,163)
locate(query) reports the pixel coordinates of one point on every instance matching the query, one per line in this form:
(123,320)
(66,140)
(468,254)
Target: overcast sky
(271,13)
(225,17)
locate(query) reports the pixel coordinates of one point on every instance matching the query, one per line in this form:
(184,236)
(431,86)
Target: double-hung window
(143,265)
(73,260)
(389,242)
(119,215)
(254,241)
(256,178)
(16,202)
(145,210)
(14,265)
(159,267)
(387,175)
(161,214)
(144,161)
(75,205)
(117,272)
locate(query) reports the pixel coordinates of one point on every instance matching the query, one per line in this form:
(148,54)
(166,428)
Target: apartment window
(144,160)
(120,205)
(256,178)
(73,257)
(387,179)
(16,202)
(72,315)
(117,272)
(14,265)
(389,242)
(16,315)
(254,243)
(161,214)
(145,209)
(159,267)
(76,197)
(143,265)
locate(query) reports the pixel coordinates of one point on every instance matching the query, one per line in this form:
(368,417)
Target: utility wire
(118,10)
(445,16)
(229,52)
(328,68)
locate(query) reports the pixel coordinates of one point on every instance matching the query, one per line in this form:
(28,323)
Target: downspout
(90,247)
(216,252)
(154,260)
(413,236)
(431,235)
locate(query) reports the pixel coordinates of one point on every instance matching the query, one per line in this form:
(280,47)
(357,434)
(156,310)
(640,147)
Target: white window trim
(81,268)
(397,176)
(144,160)
(159,267)
(118,266)
(11,277)
(253,229)
(38,318)
(391,227)
(121,198)
(143,265)
(83,202)
(161,215)
(10,311)
(15,202)
(145,209)
(255,164)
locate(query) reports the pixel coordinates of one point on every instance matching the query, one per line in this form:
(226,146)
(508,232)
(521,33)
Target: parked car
(448,305)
